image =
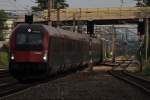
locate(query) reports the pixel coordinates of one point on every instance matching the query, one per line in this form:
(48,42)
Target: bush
(4,57)
(1,37)
(147,68)
(108,55)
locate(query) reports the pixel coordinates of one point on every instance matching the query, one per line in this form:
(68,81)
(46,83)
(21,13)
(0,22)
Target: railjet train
(38,50)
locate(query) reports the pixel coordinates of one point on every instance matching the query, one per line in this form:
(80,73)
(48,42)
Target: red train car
(39,50)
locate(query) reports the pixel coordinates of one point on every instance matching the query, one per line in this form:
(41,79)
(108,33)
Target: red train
(39,50)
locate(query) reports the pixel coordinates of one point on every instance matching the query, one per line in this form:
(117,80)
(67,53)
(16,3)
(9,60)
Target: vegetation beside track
(146,70)
(3,57)
(145,73)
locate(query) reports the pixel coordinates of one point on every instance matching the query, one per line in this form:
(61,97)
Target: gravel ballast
(81,86)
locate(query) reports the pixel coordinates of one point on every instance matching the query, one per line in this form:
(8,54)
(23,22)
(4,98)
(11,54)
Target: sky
(18,5)
(26,4)
(99,3)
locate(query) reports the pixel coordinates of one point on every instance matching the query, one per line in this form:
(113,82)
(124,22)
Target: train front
(28,51)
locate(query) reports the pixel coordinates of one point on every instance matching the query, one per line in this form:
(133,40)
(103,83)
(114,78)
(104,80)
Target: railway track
(139,82)
(133,80)
(124,64)
(9,85)
(5,76)
(118,63)
(2,75)
(3,71)
(12,87)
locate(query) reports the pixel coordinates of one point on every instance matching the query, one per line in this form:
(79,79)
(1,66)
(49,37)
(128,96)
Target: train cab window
(29,37)
(35,39)
(21,39)
(29,41)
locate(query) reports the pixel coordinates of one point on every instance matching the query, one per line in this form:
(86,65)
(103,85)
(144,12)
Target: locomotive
(38,50)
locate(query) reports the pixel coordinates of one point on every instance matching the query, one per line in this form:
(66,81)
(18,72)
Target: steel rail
(133,80)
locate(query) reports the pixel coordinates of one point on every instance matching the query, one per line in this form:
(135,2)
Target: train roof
(54,32)
(58,32)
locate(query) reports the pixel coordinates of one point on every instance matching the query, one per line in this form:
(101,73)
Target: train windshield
(29,41)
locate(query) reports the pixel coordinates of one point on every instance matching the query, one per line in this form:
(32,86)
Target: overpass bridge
(70,14)
(98,15)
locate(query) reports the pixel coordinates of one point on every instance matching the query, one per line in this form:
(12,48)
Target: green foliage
(3,15)
(60,4)
(1,36)
(147,68)
(146,2)
(108,55)
(43,4)
(3,18)
(3,59)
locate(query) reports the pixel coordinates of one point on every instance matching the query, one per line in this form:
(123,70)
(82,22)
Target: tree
(43,4)
(3,18)
(147,2)
(144,11)
(60,4)
(141,3)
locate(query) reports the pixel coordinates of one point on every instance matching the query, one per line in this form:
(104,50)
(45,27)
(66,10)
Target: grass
(3,59)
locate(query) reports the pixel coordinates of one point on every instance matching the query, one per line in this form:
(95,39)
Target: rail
(133,80)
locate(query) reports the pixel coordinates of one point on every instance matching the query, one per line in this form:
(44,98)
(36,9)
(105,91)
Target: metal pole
(79,21)
(58,14)
(91,58)
(141,65)
(58,17)
(74,22)
(49,12)
(113,43)
(126,41)
(147,38)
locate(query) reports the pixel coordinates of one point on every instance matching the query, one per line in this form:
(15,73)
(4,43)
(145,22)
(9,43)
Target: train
(38,50)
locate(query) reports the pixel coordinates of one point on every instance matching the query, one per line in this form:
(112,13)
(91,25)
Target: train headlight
(45,57)
(12,57)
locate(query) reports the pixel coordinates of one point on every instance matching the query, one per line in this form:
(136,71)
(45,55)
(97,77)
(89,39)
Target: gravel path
(81,86)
